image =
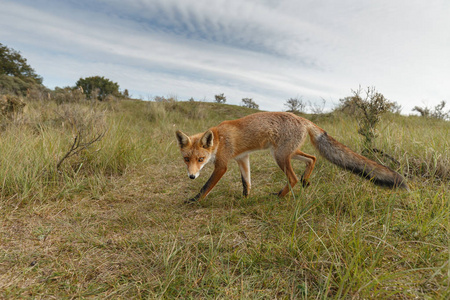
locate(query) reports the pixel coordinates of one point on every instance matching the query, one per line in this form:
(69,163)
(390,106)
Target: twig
(386,155)
(77,147)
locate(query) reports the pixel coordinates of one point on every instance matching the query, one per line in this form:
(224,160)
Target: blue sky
(266,50)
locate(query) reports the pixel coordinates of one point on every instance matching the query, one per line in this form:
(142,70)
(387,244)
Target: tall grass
(111,223)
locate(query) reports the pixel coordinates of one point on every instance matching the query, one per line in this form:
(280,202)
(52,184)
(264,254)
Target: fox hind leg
(310,161)
(284,162)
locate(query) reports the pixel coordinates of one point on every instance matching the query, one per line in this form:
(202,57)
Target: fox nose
(192,176)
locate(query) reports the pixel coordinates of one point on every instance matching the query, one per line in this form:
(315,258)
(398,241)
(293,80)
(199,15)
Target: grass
(112,224)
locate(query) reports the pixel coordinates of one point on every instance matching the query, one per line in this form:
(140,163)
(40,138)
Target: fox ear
(207,139)
(183,139)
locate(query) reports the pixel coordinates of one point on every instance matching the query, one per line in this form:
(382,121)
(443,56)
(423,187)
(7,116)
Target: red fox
(281,132)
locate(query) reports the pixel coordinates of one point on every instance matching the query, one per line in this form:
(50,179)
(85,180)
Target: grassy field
(110,221)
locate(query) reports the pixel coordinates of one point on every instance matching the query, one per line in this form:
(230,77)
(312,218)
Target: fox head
(197,151)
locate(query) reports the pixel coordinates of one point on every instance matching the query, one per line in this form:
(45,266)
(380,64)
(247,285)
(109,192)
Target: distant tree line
(18,78)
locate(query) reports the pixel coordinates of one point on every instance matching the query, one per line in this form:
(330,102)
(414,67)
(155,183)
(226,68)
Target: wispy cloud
(268,50)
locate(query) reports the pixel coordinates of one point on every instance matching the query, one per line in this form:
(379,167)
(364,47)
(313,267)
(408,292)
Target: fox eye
(186,159)
(201,159)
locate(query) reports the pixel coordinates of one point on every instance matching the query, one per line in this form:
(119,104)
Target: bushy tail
(344,157)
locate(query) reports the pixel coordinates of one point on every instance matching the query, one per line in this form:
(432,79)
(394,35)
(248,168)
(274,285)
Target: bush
(98,87)
(87,125)
(295,105)
(169,99)
(37,93)
(67,95)
(248,102)
(437,113)
(220,98)
(367,111)
(317,108)
(11,106)
(17,85)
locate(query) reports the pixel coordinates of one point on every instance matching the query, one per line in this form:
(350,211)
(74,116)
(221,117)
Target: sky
(267,50)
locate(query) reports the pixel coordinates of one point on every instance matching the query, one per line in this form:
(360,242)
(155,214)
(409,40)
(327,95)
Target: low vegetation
(109,221)
(92,191)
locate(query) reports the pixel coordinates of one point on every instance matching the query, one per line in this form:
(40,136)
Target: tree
(248,102)
(16,76)
(13,64)
(220,98)
(295,105)
(98,87)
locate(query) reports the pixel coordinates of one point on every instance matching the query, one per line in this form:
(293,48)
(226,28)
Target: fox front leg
(244,167)
(212,181)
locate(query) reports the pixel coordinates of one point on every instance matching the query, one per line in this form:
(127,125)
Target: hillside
(110,221)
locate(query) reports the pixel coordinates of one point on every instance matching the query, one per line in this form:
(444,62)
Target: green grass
(111,222)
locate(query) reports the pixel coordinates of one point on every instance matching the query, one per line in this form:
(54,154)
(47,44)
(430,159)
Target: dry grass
(116,226)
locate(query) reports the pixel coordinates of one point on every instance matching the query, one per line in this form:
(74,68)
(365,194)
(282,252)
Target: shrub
(67,95)
(295,105)
(317,108)
(220,98)
(98,87)
(437,113)
(11,106)
(87,125)
(36,93)
(367,111)
(169,99)
(248,102)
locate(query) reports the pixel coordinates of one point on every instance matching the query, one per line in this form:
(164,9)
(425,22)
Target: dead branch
(77,146)
(384,154)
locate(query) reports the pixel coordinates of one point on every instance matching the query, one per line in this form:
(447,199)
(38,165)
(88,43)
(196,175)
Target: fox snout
(193,172)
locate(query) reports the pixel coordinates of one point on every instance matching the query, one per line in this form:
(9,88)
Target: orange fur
(284,134)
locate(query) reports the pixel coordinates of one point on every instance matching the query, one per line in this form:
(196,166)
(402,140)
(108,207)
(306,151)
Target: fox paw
(277,194)
(305,183)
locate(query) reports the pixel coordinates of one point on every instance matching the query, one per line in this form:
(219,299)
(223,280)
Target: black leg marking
(245,186)
(305,182)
